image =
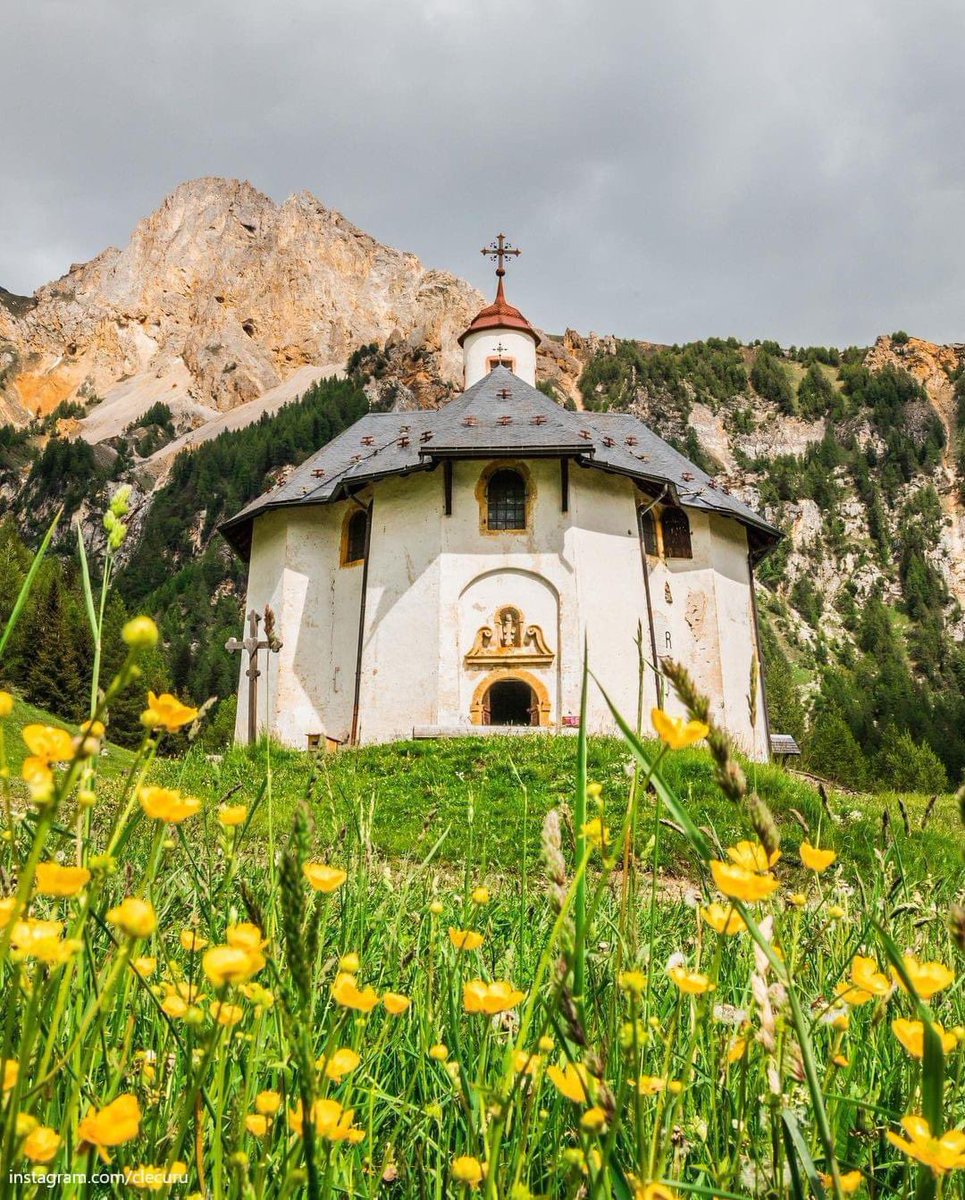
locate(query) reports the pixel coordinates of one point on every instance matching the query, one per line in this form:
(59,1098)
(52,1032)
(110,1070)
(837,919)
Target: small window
(676,534)
(648,531)
(508,363)
(506,501)
(354,537)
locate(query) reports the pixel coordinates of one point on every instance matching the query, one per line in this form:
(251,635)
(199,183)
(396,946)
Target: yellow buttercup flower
(677,732)
(226,1014)
(850,1182)
(167,712)
(480,896)
(230,815)
(174,1006)
(268,1102)
(466,1169)
(338,1063)
(140,633)
(596,833)
(944,1153)
(814,859)
(525,1062)
(41,1144)
(136,917)
(911,1034)
(345,991)
(736,1050)
(927,978)
(11,1073)
(245,936)
(633,982)
(650,1085)
(593,1120)
(6,705)
(7,907)
(723,919)
(571,1081)
(324,878)
(167,804)
(752,856)
(465,939)
(331,1121)
(738,883)
(256,1124)
(490,998)
(192,941)
(112,1125)
(350,962)
(439,1052)
(48,743)
(693,983)
(866,975)
(52,879)
(395,1004)
(231,965)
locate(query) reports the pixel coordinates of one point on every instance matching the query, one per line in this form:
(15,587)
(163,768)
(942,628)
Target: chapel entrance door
(510,702)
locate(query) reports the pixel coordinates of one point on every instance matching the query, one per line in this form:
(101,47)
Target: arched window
(676,534)
(506,501)
(648,531)
(354,536)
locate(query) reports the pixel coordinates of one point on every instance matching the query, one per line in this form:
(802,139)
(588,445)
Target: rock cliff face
(220,296)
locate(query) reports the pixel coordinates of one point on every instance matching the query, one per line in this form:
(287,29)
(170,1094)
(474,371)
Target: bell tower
(499,334)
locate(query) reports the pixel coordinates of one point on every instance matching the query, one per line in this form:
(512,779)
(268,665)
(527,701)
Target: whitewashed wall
(479,347)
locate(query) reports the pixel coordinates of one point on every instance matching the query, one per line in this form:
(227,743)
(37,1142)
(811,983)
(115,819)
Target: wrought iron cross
(498,251)
(252,644)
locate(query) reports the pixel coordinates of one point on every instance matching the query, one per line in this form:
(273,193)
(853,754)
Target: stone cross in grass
(252,644)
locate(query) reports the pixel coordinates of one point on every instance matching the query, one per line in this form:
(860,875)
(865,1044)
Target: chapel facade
(438,573)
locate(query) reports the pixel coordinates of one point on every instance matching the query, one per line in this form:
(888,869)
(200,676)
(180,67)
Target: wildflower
(525,1062)
(632,981)
(593,1120)
(54,880)
(41,1144)
(693,983)
(256,1124)
(816,860)
(676,732)
(466,1169)
(167,804)
(927,978)
(723,919)
(596,833)
(345,991)
(226,1014)
(48,743)
(11,1072)
(167,712)
(945,1153)
(6,705)
(738,883)
(350,963)
(439,1052)
(112,1125)
(192,941)
(839,1060)
(323,878)
(338,1063)
(736,1050)
(395,1004)
(260,997)
(7,906)
(480,896)
(465,939)
(268,1103)
(911,1034)
(155,1178)
(797,899)
(41,940)
(140,633)
(650,1085)
(752,856)
(245,936)
(331,1121)
(134,916)
(436,908)
(570,1081)
(850,1182)
(230,965)
(866,976)
(174,1006)
(491,998)
(230,815)
(545,1043)
(835,912)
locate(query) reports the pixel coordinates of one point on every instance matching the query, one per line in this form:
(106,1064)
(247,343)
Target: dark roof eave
(567,451)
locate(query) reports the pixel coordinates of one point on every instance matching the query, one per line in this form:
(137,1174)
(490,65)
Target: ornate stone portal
(509,642)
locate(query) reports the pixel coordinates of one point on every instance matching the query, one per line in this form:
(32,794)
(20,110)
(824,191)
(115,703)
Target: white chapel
(438,573)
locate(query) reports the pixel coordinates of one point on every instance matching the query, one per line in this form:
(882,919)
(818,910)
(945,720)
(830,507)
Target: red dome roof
(499,315)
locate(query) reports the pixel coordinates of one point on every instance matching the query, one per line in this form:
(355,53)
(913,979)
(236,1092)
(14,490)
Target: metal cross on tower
(252,644)
(498,251)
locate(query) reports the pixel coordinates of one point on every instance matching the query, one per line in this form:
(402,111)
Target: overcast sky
(671,170)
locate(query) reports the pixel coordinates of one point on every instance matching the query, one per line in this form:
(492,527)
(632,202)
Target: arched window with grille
(648,530)
(506,500)
(676,534)
(354,534)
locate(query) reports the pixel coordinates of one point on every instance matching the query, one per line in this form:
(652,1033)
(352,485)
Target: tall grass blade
(28,583)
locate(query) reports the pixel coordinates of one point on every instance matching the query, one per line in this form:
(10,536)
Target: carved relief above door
(509,641)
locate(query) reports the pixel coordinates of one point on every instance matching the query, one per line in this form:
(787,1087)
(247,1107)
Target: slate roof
(501,415)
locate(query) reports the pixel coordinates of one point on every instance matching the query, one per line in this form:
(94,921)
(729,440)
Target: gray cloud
(672,170)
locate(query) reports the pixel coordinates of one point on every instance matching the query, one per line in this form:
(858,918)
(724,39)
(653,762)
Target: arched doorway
(510,702)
